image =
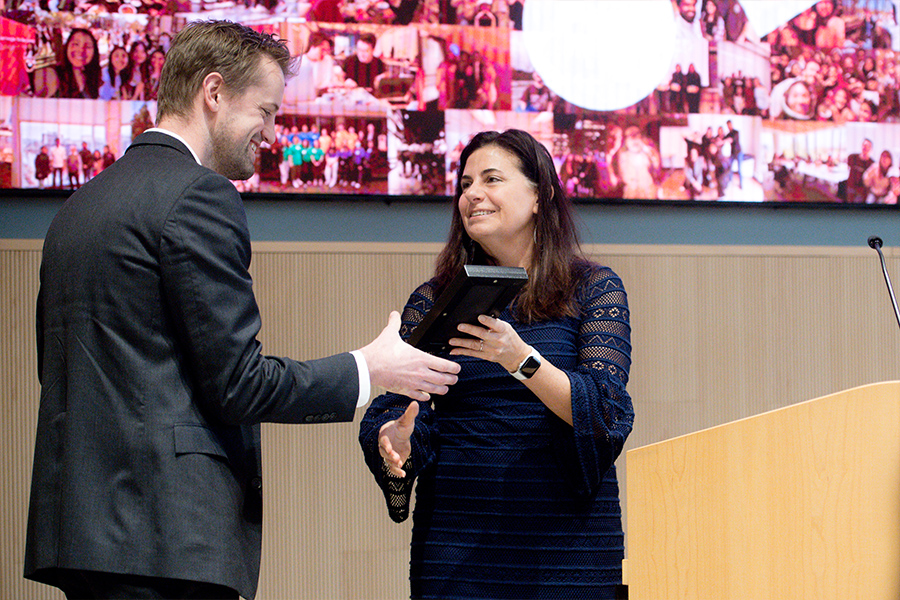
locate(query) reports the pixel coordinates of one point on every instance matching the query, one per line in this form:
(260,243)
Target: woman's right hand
(393,440)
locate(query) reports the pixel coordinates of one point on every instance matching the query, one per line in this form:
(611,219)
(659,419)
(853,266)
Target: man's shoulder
(161,140)
(153,151)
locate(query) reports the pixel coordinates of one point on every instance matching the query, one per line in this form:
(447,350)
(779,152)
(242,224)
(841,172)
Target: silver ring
(482,346)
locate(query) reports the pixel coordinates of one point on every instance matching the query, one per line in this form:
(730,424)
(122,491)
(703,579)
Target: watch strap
(527,367)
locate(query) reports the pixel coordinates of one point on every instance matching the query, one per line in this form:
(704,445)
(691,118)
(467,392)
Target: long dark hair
(111,70)
(552,278)
(142,69)
(124,89)
(881,169)
(68,87)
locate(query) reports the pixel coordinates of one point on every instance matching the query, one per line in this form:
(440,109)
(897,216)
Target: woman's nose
(473,193)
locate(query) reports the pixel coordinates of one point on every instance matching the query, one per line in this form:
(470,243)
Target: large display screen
(674,100)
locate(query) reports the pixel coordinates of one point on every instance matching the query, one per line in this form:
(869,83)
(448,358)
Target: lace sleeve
(602,411)
(398,491)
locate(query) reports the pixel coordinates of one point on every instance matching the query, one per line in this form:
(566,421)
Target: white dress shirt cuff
(365,387)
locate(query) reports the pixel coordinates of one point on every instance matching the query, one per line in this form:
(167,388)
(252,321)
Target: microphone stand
(875,242)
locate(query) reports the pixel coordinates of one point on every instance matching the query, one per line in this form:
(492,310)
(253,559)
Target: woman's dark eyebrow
(483,173)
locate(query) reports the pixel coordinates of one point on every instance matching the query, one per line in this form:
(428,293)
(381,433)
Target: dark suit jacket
(153,383)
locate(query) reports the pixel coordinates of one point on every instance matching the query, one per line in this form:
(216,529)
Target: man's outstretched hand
(400,368)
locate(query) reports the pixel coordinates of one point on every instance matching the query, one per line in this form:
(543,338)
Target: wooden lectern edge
(768,412)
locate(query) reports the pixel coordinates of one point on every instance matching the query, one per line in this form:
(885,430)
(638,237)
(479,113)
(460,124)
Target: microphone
(875,243)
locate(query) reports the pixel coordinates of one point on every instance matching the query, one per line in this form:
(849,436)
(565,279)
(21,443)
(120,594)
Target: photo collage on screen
(389,92)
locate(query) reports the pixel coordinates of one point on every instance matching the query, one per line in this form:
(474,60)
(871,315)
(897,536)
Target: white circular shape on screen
(600,54)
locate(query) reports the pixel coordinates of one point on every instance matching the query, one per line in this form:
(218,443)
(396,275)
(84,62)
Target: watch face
(531,365)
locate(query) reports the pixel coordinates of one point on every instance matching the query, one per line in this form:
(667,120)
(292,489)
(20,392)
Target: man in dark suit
(147,478)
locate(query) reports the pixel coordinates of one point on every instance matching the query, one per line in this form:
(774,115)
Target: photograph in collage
(753,101)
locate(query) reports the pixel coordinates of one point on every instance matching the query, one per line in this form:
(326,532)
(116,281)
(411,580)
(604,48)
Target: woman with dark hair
(115,77)
(712,21)
(78,74)
(877,178)
(830,27)
(138,70)
(156,61)
(517,494)
(804,27)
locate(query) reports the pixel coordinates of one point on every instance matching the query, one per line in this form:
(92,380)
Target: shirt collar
(179,138)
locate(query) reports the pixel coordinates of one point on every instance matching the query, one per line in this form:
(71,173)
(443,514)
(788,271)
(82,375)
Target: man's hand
(400,368)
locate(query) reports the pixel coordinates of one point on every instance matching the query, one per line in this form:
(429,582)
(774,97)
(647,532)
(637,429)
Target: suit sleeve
(205,257)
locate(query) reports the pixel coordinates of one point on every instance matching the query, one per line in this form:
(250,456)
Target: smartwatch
(528,367)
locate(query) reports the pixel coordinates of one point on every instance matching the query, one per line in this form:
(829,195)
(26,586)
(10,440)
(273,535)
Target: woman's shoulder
(589,271)
(594,278)
(426,292)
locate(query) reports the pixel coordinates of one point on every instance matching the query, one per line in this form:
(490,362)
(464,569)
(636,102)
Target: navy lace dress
(512,502)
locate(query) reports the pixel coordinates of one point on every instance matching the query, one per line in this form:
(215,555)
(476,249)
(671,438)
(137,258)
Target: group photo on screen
(387,93)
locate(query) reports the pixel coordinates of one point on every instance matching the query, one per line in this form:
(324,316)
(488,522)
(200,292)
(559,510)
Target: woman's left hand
(498,342)
(495,341)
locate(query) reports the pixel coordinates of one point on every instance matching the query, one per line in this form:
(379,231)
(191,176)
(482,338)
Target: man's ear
(213,86)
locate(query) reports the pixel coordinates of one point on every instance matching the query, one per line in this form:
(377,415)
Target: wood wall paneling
(719,334)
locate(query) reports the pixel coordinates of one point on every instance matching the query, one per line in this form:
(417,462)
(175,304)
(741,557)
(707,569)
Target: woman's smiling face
(80,50)
(498,203)
(119,59)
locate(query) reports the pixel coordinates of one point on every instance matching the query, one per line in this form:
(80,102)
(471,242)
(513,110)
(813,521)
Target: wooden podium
(798,503)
